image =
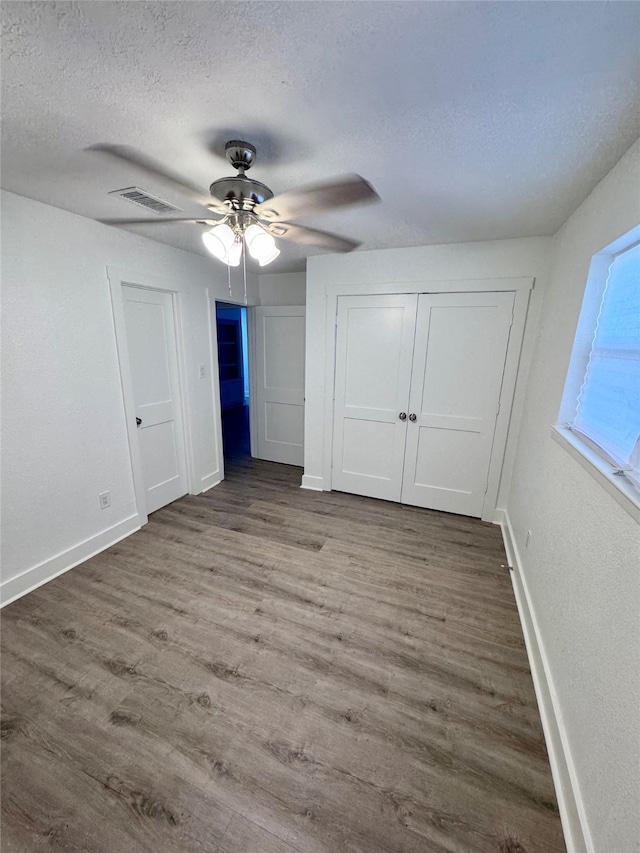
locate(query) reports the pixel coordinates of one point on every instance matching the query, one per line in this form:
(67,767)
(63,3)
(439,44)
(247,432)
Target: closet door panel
(460,350)
(374,348)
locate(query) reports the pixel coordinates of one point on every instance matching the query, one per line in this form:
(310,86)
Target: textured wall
(583,562)
(63,423)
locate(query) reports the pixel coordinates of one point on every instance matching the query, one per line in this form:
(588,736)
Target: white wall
(63,423)
(282,289)
(526,258)
(582,567)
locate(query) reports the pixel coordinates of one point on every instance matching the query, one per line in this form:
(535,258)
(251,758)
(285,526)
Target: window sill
(617,485)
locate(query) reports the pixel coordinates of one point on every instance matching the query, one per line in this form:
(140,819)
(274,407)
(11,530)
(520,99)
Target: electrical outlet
(528,539)
(105,500)
(201,371)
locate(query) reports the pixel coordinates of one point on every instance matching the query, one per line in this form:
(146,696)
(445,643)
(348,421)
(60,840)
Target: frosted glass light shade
(219,241)
(260,244)
(225,245)
(268,258)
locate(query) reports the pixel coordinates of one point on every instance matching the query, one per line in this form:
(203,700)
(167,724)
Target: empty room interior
(320,427)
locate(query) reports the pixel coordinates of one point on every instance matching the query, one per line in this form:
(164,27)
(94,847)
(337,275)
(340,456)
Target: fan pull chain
(229,278)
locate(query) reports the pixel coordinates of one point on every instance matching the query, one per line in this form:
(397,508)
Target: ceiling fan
(245,212)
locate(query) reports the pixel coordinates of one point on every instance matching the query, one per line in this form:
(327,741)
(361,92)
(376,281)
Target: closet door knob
(413,418)
(403,416)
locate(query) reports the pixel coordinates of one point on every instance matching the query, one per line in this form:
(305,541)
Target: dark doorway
(233,367)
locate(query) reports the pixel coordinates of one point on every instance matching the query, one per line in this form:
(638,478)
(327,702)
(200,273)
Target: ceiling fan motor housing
(241,192)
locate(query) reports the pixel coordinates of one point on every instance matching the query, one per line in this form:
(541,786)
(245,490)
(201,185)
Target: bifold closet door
(374,350)
(459,356)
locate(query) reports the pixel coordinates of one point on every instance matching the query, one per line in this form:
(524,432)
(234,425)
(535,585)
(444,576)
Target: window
(601,402)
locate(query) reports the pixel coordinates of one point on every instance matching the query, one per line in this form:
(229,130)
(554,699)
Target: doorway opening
(233,371)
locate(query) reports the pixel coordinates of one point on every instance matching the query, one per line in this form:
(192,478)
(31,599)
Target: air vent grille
(144,199)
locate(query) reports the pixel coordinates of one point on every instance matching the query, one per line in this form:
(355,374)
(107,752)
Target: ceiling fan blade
(316,198)
(203,219)
(147,164)
(311,237)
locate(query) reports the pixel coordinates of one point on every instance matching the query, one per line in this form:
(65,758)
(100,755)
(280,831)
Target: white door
(459,356)
(374,348)
(280,337)
(153,361)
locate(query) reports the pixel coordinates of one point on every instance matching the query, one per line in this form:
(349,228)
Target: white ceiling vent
(138,196)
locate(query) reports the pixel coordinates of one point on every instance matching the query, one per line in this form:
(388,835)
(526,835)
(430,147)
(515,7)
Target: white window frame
(584,452)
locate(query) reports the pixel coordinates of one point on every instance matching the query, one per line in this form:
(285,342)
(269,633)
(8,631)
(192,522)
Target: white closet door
(460,351)
(153,360)
(373,368)
(280,383)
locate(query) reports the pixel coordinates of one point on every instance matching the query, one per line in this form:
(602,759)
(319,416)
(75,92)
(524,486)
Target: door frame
(118,278)
(257,361)
(252,350)
(520,286)
(212,299)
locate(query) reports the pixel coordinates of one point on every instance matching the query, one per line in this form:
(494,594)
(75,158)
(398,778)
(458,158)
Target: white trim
(617,485)
(215,482)
(418,284)
(520,286)
(583,339)
(213,298)
(126,386)
(505,403)
(119,278)
(185,403)
(283,452)
(572,811)
(49,569)
(218,474)
(316,484)
(253,379)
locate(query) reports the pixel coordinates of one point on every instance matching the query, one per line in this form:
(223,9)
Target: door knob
(413,418)
(138,422)
(403,416)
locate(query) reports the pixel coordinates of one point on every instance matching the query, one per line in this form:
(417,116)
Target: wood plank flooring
(267,670)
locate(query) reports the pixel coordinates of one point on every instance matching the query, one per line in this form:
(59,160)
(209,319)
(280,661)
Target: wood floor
(267,670)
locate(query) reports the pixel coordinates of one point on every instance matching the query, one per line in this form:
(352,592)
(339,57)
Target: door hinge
(503,566)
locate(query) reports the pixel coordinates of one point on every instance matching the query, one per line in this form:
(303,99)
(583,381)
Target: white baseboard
(49,569)
(209,482)
(316,484)
(572,812)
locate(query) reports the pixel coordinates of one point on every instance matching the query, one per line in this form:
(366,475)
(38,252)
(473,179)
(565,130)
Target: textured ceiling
(474,121)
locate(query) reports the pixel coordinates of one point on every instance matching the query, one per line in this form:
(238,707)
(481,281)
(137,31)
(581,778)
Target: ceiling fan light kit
(261,245)
(219,241)
(247,213)
(226,244)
